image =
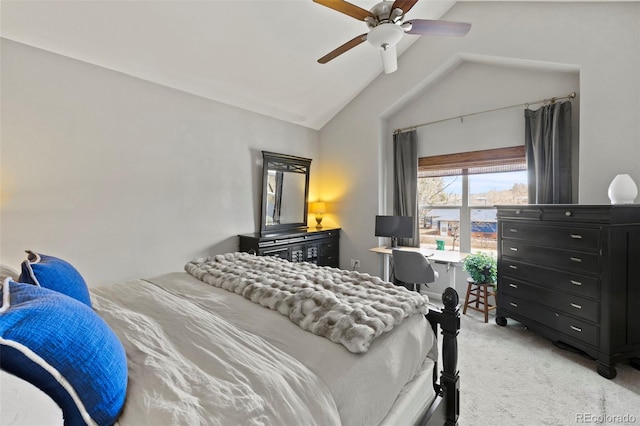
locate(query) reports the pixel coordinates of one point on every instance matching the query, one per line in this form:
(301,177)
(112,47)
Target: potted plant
(482,267)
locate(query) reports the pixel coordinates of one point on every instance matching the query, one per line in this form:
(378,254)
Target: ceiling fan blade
(389,58)
(404,5)
(340,50)
(441,28)
(346,8)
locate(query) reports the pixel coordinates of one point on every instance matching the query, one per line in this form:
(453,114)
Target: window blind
(496,160)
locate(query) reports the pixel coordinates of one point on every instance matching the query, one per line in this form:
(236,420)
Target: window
(457,192)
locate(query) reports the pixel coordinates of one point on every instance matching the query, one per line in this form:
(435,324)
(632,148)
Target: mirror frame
(285,163)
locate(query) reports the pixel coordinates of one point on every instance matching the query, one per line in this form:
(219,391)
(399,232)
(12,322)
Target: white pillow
(8,271)
(18,399)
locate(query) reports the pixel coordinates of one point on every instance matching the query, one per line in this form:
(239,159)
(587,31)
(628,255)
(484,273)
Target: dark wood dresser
(316,245)
(572,274)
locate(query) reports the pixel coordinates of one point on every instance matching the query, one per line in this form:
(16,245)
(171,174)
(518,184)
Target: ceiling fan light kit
(389,58)
(386,28)
(385,34)
(385,37)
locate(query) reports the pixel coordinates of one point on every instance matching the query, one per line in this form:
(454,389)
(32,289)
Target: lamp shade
(318,207)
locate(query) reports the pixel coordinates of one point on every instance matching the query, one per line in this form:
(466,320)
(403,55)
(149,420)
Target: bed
(234,340)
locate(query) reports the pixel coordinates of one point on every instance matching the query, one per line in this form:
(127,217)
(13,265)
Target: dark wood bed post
(450,380)
(446,408)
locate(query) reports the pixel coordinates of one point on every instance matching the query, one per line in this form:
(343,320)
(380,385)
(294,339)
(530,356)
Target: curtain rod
(526,104)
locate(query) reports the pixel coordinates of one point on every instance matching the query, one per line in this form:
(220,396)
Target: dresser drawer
(575,214)
(587,239)
(552,257)
(282,252)
(557,321)
(570,282)
(569,326)
(570,304)
(330,245)
(516,306)
(519,213)
(330,259)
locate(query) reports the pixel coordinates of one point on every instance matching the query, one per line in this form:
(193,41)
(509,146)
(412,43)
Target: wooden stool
(481,293)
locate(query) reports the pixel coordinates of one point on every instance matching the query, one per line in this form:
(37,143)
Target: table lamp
(318,208)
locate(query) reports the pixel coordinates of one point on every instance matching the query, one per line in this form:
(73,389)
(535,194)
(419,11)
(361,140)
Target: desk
(450,258)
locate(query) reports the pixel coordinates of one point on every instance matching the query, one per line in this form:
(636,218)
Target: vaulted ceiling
(258,55)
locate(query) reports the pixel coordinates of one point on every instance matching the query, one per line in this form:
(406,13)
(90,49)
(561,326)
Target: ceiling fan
(387,26)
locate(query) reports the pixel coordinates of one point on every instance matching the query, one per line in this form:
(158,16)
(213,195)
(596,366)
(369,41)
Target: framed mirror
(285,188)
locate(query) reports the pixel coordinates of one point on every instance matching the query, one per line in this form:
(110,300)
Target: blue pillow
(55,274)
(64,348)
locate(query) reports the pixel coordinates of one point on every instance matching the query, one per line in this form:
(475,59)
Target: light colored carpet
(512,376)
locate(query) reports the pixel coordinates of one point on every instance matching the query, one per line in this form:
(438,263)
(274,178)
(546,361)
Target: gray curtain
(405,181)
(548,151)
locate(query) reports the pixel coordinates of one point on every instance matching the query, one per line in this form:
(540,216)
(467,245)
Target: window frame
(467,163)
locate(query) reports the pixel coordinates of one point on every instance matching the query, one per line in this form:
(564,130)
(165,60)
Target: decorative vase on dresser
(572,274)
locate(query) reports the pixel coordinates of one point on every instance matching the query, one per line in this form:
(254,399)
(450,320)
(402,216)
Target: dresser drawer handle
(575,305)
(513,267)
(576,259)
(515,305)
(576,236)
(518,211)
(513,248)
(514,230)
(513,285)
(568,213)
(574,282)
(578,329)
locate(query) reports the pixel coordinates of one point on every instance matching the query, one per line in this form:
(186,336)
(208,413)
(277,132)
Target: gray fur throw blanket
(346,307)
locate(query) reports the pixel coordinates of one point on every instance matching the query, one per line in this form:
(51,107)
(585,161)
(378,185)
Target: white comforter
(190,366)
(184,369)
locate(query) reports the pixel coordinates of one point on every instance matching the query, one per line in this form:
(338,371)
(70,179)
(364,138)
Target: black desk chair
(413,268)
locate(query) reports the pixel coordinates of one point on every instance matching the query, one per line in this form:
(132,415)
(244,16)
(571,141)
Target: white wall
(600,40)
(122,177)
(477,87)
